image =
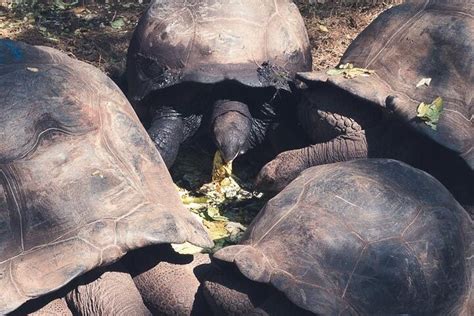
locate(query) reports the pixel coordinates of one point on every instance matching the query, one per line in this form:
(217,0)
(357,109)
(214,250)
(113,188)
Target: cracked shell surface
(209,41)
(362,237)
(81,183)
(418,39)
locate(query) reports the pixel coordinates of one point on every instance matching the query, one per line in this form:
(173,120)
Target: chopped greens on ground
(348,71)
(117,23)
(430,112)
(224,207)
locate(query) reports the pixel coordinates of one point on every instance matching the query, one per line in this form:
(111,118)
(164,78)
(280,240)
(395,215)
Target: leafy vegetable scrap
(430,112)
(118,23)
(217,206)
(349,71)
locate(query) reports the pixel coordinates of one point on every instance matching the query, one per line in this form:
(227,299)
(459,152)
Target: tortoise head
(231,125)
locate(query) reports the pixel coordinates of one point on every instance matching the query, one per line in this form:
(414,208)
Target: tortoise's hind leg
(112,293)
(169,282)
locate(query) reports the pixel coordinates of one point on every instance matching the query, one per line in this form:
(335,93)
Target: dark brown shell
(365,237)
(209,41)
(81,183)
(419,39)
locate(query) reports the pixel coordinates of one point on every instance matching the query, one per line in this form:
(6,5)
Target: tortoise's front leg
(166,131)
(112,293)
(279,172)
(386,140)
(169,129)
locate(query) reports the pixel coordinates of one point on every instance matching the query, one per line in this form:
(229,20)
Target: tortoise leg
(57,307)
(279,172)
(112,293)
(169,129)
(386,140)
(166,131)
(169,282)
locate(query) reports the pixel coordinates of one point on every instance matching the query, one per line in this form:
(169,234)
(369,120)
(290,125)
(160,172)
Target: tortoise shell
(419,39)
(81,183)
(364,237)
(208,41)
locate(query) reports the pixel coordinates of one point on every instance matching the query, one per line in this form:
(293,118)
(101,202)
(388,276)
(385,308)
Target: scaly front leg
(279,172)
(169,129)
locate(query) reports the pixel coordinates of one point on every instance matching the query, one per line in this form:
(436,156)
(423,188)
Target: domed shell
(81,183)
(209,41)
(419,39)
(364,237)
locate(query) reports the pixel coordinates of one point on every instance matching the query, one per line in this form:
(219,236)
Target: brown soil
(331,28)
(96,34)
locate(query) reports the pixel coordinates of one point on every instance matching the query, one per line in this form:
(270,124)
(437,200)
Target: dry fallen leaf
(323,28)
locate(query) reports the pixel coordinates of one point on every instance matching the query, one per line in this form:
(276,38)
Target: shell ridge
(302,193)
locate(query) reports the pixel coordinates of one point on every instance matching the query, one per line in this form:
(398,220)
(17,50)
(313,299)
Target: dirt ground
(100,35)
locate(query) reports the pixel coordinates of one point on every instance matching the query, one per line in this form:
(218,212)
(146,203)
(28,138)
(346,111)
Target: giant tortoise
(81,183)
(363,237)
(418,51)
(216,65)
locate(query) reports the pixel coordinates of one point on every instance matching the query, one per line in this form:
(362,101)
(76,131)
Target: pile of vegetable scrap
(223,206)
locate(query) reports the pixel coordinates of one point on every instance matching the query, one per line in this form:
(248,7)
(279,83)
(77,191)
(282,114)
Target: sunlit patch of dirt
(331,28)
